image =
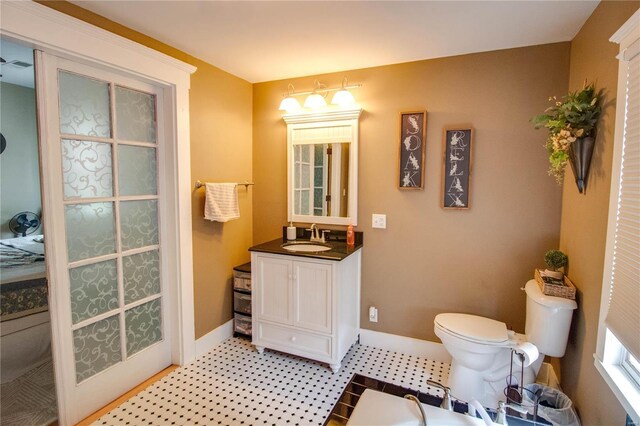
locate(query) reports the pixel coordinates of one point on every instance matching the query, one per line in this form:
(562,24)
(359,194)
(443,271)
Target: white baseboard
(214,338)
(406,345)
(393,342)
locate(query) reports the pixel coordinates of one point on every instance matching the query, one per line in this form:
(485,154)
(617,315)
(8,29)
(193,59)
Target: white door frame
(45,29)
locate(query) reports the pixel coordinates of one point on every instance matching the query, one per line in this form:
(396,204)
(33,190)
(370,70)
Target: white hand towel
(221,204)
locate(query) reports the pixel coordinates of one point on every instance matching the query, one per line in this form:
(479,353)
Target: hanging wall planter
(572,129)
(580,153)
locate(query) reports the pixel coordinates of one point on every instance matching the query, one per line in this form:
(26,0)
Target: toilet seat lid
(473,327)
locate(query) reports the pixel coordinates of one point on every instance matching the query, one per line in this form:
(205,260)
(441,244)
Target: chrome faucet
(314,233)
(317,234)
(422,412)
(446,399)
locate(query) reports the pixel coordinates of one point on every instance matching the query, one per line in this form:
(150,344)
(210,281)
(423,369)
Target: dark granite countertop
(339,251)
(245,267)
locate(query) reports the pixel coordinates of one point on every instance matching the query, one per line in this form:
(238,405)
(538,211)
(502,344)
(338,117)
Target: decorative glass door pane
(138,223)
(90,230)
(141,274)
(110,191)
(319,178)
(136,112)
(303,175)
(84,106)
(143,326)
(86,168)
(94,290)
(305,171)
(97,347)
(137,170)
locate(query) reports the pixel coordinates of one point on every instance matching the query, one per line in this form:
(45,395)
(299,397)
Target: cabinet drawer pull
(293,338)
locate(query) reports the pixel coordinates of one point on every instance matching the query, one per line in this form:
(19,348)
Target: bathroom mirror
(321,179)
(322,158)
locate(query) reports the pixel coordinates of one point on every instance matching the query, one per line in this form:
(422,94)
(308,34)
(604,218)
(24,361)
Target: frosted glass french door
(102,155)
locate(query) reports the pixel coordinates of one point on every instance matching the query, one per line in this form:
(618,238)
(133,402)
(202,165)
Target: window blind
(623,316)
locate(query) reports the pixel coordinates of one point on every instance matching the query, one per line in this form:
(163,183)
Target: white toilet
(480,347)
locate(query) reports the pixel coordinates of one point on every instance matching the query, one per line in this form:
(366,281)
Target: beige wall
(220,152)
(19,173)
(428,260)
(584,217)
(220,106)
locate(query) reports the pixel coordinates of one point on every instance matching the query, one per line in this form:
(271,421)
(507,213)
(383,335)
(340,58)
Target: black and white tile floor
(234,385)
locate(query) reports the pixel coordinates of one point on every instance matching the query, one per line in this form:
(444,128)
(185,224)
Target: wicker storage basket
(568,290)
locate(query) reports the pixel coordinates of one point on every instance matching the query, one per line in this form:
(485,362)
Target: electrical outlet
(373,314)
(379,221)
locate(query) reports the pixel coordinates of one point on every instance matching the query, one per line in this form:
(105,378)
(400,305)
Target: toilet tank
(548,320)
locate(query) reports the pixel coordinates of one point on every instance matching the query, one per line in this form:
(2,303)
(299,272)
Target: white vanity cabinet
(306,306)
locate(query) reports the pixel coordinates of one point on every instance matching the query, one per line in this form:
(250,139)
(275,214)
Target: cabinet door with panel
(312,296)
(274,290)
(305,306)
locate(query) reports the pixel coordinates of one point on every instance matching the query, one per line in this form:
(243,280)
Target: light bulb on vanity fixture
(343,97)
(289,103)
(316,98)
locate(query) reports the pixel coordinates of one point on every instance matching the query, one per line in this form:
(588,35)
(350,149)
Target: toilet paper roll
(530,352)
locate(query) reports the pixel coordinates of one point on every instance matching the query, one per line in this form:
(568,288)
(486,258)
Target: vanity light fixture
(289,103)
(316,97)
(343,97)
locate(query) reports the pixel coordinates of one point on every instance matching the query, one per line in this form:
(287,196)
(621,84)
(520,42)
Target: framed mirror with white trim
(322,167)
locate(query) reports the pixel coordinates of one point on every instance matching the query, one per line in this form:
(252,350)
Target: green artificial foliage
(575,116)
(555,259)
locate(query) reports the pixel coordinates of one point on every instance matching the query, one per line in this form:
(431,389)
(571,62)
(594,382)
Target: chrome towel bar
(246,184)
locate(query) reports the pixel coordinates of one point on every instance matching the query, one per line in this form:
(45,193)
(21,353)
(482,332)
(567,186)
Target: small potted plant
(571,123)
(555,260)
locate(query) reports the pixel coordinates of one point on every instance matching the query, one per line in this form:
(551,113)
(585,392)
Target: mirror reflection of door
(321,179)
(26,364)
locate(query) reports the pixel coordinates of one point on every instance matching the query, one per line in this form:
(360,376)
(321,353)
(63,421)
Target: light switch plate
(373,314)
(379,221)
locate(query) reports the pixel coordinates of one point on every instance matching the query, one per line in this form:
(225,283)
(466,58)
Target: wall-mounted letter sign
(413,128)
(456,169)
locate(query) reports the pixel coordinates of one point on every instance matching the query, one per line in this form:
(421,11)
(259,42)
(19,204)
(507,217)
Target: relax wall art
(456,169)
(413,126)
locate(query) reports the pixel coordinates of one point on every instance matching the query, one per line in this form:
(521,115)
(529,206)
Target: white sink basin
(306,247)
(381,409)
